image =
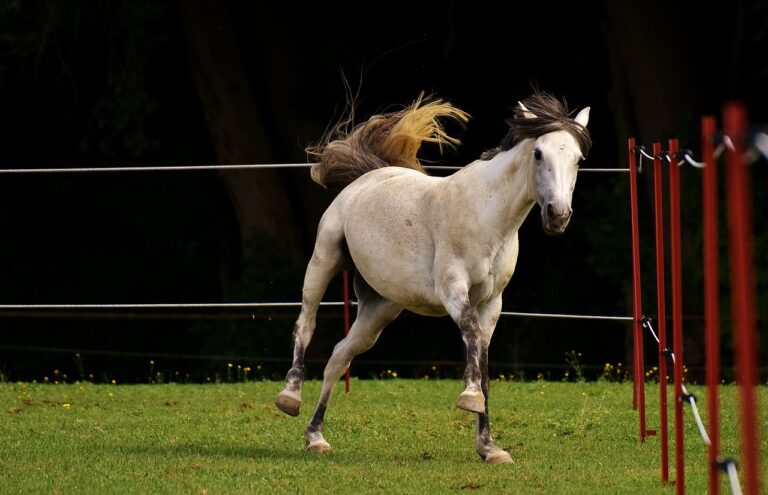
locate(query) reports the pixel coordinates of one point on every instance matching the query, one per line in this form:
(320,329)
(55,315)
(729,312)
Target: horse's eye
(537,154)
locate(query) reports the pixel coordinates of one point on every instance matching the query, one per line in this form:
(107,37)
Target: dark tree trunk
(236,123)
(653,96)
(653,68)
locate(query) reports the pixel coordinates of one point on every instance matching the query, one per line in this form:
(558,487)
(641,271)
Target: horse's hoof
(319,447)
(288,403)
(471,401)
(498,456)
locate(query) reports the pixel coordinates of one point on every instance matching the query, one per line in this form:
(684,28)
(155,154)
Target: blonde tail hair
(386,140)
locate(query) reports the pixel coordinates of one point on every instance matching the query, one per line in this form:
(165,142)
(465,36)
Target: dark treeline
(145,82)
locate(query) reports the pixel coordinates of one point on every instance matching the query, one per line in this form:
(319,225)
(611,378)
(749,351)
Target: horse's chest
(499,273)
(489,287)
(482,291)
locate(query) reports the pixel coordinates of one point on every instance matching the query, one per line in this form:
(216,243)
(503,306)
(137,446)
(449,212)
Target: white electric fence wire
(699,422)
(643,154)
(567,316)
(733,478)
(691,161)
(759,148)
(691,398)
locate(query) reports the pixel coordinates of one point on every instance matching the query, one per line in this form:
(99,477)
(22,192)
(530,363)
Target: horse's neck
(504,188)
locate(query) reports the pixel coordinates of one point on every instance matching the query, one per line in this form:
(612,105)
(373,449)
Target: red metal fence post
(677,312)
(345,278)
(661,310)
(742,287)
(711,296)
(637,310)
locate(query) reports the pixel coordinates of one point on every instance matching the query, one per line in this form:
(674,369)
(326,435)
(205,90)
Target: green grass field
(388,436)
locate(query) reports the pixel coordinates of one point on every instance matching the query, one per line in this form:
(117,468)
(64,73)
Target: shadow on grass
(293,453)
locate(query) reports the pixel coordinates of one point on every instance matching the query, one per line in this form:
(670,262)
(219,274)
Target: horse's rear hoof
(498,456)
(319,447)
(288,403)
(471,401)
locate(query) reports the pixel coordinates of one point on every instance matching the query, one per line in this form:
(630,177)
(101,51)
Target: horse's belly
(392,248)
(398,271)
(428,310)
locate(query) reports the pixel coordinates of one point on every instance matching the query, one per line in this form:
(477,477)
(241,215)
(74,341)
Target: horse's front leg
(453,291)
(484,444)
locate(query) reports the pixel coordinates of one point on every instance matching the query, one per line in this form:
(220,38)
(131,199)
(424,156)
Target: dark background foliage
(144,82)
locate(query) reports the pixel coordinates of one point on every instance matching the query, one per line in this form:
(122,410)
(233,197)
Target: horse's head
(552,145)
(555,163)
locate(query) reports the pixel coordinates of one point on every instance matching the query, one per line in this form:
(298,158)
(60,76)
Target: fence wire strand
(733,477)
(252,305)
(759,148)
(165,305)
(201,168)
(567,316)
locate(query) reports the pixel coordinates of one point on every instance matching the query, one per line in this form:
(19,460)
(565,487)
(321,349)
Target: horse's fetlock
(294,378)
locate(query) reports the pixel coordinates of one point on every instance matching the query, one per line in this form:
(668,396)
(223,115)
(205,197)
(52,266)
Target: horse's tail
(389,139)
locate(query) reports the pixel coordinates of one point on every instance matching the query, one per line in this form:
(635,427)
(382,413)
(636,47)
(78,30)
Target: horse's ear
(583,117)
(524,111)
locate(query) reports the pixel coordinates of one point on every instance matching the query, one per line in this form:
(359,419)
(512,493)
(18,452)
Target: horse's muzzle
(555,220)
(555,230)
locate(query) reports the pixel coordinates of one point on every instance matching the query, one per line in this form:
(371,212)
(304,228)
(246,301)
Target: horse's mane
(388,139)
(551,115)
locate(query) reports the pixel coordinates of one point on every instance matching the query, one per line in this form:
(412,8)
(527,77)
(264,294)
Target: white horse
(434,246)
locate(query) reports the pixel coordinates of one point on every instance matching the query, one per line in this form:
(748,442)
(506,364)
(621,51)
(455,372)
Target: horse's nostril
(550,210)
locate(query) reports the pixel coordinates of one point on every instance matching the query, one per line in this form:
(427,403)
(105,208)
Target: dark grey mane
(551,115)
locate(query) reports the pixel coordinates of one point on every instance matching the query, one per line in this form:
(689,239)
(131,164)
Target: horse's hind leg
(373,314)
(327,260)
